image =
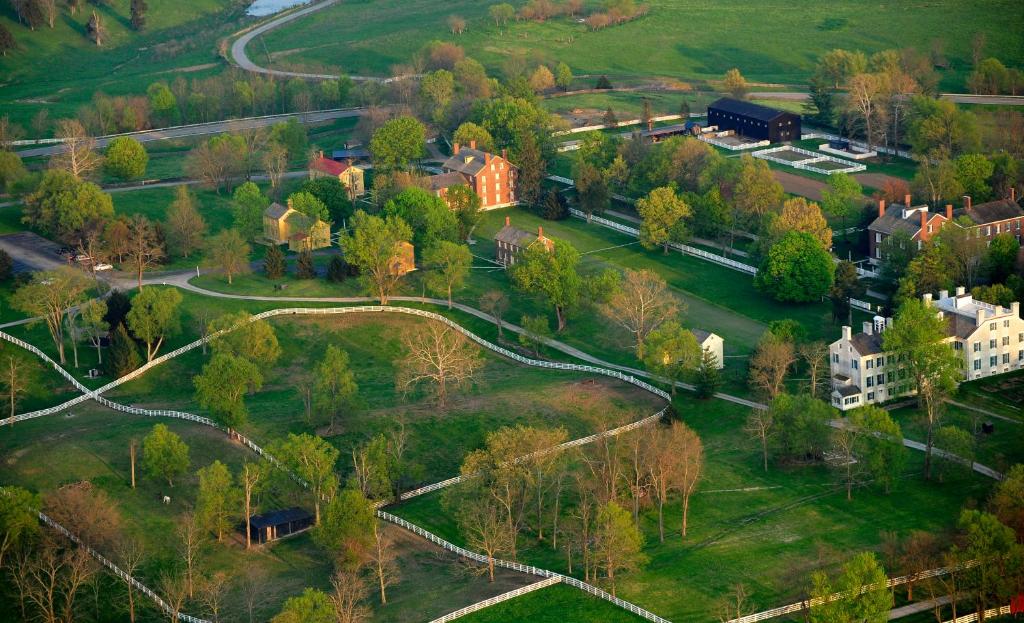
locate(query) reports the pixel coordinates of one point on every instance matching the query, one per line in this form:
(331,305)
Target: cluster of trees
(517,488)
(35,14)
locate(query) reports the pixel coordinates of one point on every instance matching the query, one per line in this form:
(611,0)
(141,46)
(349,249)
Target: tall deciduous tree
(313,460)
(664,215)
(218,498)
(450,264)
(618,543)
(771,363)
(62,204)
(592,192)
(735,84)
(552,275)
(185,225)
(372,247)
(126,158)
(756,192)
(16,377)
(398,143)
(437,354)
(640,304)
(251,478)
(796,269)
(154,316)
(164,454)
(222,385)
(143,247)
(48,296)
(346,528)
(244,336)
(865,598)
(671,351)
(334,385)
(229,252)
(78,154)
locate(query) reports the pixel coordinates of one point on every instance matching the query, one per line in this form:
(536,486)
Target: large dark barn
(754,121)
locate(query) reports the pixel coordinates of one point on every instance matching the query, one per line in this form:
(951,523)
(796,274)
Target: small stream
(261,8)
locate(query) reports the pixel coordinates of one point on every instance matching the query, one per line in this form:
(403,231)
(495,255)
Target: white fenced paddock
(807,160)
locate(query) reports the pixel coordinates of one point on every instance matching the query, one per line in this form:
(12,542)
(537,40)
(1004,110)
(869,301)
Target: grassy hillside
(60,68)
(775,41)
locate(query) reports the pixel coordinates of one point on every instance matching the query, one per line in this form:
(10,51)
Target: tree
(429,217)
(229,252)
(78,156)
(438,354)
(138,14)
(1007,502)
(501,14)
(916,337)
(640,304)
(48,296)
(273,262)
(218,498)
(347,528)
(371,248)
(756,192)
(164,454)
(551,275)
(495,303)
(275,161)
(456,24)
(334,386)
(770,364)
(1001,257)
(865,598)
(480,520)
(973,171)
(671,351)
(247,206)
(333,194)
(542,79)
(465,203)
(864,93)
(154,316)
(7,40)
(800,215)
(846,285)
(663,213)
(162,102)
(250,479)
(995,578)
(735,84)
(241,335)
(869,444)
(618,543)
(592,192)
(222,385)
(451,263)
(308,204)
(563,76)
(123,356)
(12,171)
(397,143)
(185,226)
(708,376)
(304,266)
(63,204)
(96,30)
(815,359)
(532,170)
(796,269)
(143,246)
(382,560)
(15,378)
(536,331)
(19,518)
(941,127)
(126,158)
(958,452)
(312,606)
(313,460)
(218,160)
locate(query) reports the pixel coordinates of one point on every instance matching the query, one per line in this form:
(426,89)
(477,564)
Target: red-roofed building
(350,176)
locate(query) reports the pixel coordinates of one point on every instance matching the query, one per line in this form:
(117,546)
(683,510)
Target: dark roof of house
(747,109)
(958,325)
(445,180)
(275,210)
(867,344)
(276,518)
(893,220)
(469,161)
(341,154)
(991,211)
(701,335)
(515,236)
(847,390)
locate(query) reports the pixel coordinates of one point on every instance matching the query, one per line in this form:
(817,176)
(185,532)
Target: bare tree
(642,302)
(254,589)
(863,94)
(382,558)
(661,465)
(15,380)
(190,544)
(349,595)
(637,450)
(438,354)
(78,154)
(211,593)
(174,589)
(254,141)
(495,303)
(250,477)
(130,551)
(275,162)
(759,426)
(49,295)
(55,574)
(815,358)
(690,464)
(144,248)
(735,604)
(486,529)
(770,364)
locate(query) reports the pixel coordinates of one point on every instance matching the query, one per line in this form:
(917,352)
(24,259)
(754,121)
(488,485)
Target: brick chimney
(504,154)
(906,200)
(508,221)
(967,201)
(487,157)
(924,225)
(472,144)
(540,231)
(881,208)
(455,149)
(1013,193)
(321,153)
(949,211)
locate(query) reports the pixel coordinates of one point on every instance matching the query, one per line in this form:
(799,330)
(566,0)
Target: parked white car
(102,267)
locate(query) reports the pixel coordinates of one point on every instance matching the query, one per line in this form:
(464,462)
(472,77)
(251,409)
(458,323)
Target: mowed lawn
(768,531)
(774,41)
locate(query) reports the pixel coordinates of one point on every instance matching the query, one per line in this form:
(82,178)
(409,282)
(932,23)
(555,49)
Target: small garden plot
(828,165)
(808,160)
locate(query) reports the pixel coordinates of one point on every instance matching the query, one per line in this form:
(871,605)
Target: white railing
(619,124)
(860,155)
(682,248)
(515,566)
(480,605)
(807,164)
(858,143)
(117,571)
(731,147)
(991,612)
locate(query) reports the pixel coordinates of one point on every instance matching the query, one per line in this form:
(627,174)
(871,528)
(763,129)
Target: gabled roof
(276,518)
(469,161)
(445,180)
(515,236)
(893,220)
(329,166)
(991,211)
(846,390)
(747,109)
(701,335)
(867,344)
(275,210)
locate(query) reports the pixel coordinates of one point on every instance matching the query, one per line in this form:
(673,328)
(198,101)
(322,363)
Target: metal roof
(275,210)
(747,109)
(991,212)
(276,518)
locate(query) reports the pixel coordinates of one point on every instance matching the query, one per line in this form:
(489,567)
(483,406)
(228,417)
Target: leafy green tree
(592,192)
(292,136)
(246,337)
(218,499)
(12,171)
(273,262)
(337,270)
(334,384)
(664,215)
(879,445)
(229,252)
(552,275)
(304,267)
(671,351)
(845,286)
(437,88)
(735,84)
(502,14)
(821,104)
(1001,257)
(398,143)
(162,102)
(512,122)
(563,76)
(19,518)
(865,596)
(62,204)
(996,294)
(618,543)
(312,459)
(312,606)
(247,206)
(126,158)
(756,192)
(428,215)
(941,126)
(449,263)
(1007,501)
(974,171)
(346,527)
(469,132)
(154,316)
(371,248)
(536,331)
(308,204)
(532,169)
(48,297)
(123,355)
(797,269)
(995,579)
(465,203)
(958,452)
(708,378)
(916,337)
(221,387)
(801,429)
(333,194)
(841,197)
(164,454)
(554,207)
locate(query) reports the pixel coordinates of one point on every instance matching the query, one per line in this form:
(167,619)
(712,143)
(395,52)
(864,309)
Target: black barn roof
(276,518)
(747,109)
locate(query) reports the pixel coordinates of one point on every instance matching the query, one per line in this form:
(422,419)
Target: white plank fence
(497,599)
(991,612)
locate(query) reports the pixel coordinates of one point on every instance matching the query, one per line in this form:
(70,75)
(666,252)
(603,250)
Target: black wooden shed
(754,121)
(278,524)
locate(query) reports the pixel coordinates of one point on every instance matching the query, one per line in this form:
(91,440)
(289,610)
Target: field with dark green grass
(773,42)
(767,530)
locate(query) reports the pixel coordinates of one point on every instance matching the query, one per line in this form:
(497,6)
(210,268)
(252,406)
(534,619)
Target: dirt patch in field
(800,185)
(190,69)
(877,180)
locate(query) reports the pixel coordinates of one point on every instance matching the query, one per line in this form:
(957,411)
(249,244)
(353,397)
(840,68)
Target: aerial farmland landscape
(558,311)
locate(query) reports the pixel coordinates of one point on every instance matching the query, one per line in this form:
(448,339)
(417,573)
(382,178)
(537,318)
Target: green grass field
(774,42)
(768,531)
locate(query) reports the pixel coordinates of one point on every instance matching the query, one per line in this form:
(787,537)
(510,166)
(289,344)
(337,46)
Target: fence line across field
(497,599)
(991,612)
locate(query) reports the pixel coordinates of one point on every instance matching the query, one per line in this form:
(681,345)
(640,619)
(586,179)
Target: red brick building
(492,177)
